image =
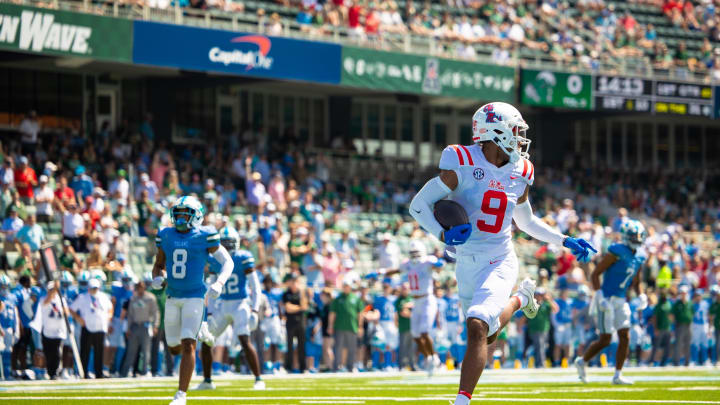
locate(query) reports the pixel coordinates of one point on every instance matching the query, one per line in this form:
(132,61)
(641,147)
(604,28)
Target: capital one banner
(407,73)
(239,53)
(64,33)
(556,89)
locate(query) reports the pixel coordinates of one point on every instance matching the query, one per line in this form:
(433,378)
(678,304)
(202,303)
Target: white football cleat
(621,381)
(580,365)
(205,336)
(259,385)
(527,289)
(180,399)
(204,386)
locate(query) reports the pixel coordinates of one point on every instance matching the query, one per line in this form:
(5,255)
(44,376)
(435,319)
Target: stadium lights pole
(50,265)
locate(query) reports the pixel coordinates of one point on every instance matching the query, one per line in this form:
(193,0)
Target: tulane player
(700,329)
(235,308)
(181,257)
(620,265)
(9,323)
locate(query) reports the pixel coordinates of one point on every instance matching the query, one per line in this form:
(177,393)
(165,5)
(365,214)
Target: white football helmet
(229,238)
(417,249)
(633,233)
(187,206)
(503,125)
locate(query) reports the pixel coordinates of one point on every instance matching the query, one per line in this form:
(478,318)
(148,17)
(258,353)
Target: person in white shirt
(73,228)
(92,310)
(388,253)
(49,321)
(120,187)
(29,130)
(44,198)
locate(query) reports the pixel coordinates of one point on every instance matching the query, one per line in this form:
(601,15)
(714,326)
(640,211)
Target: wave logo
(251,58)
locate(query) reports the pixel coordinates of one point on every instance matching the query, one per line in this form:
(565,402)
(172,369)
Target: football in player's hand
(449,213)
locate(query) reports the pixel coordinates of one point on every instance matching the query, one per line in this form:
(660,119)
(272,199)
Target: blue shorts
(313,350)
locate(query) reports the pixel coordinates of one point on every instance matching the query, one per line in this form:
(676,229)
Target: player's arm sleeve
(534,226)
(421,206)
(226,263)
(213,239)
(255,294)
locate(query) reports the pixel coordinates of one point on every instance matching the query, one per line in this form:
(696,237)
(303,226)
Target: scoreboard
(633,94)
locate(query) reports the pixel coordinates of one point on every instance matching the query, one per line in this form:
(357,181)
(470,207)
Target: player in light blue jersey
(120,292)
(385,305)
(619,269)
(700,329)
(237,308)
(180,261)
(9,323)
(581,320)
(562,321)
(69,293)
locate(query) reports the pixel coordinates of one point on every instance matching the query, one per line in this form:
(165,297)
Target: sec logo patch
(479,174)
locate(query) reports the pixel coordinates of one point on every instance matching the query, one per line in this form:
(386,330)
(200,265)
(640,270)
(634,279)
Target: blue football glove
(580,248)
(457,235)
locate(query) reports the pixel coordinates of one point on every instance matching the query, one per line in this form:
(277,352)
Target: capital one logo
(251,51)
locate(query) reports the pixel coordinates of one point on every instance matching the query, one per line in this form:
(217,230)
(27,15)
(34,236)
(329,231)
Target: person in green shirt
(300,245)
(661,325)
(682,313)
(345,323)
(539,327)
(403,310)
(160,297)
(715,317)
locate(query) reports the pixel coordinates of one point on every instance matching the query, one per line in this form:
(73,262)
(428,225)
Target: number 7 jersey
(489,195)
(185,258)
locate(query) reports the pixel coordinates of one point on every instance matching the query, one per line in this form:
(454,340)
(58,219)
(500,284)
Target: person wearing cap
(700,329)
(44,198)
(25,180)
(295,303)
(82,184)
(73,227)
(345,324)
(682,315)
(148,186)
(254,188)
(29,129)
(539,327)
(31,233)
(93,311)
(143,322)
(300,245)
(330,265)
(49,321)
(120,187)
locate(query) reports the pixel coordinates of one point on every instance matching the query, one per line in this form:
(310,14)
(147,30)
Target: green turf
(504,386)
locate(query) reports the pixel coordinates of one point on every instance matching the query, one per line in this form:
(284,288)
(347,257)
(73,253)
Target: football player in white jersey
(491,180)
(419,270)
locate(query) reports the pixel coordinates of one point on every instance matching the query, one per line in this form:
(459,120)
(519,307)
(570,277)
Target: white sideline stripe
(332,402)
(365,399)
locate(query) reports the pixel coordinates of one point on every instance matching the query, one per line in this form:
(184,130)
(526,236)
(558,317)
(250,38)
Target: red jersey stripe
(470,161)
(460,157)
(525,162)
(532,171)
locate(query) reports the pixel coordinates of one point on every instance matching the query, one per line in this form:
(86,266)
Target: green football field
(652,386)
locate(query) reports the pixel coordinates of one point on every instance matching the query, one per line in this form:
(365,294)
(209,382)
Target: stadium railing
(408,43)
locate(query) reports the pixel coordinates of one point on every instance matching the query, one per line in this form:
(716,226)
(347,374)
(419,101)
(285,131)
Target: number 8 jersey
(489,195)
(185,257)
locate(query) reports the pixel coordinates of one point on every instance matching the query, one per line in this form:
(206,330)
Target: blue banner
(235,52)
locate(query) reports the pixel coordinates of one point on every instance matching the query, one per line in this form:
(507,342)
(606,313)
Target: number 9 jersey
(185,258)
(489,195)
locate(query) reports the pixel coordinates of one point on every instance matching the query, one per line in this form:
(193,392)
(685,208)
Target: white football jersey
(489,195)
(419,274)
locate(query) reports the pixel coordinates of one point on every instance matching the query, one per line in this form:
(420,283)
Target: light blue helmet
(633,233)
(5,281)
(98,274)
(84,278)
(229,238)
(66,278)
(186,206)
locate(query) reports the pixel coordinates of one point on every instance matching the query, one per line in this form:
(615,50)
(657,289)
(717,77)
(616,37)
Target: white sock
(523,300)
(618,373)
(462,400)
(180,394)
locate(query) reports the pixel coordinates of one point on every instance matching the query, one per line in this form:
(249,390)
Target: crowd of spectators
(325,306)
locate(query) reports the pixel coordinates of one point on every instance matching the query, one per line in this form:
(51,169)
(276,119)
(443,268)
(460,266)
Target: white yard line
(363,399)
